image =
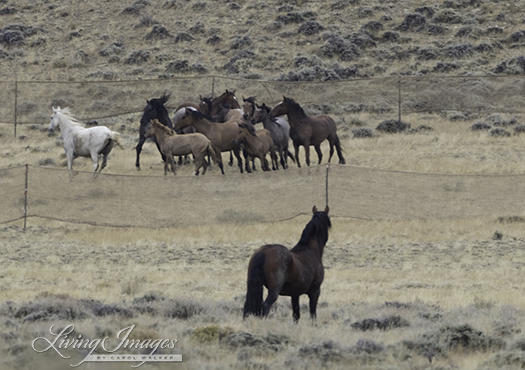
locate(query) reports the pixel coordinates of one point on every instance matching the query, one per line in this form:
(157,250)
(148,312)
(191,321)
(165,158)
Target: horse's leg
(239,159)
(320,154)
(247,161)
(339,150)
(161,154)
(331,151)
(282,157)
(307,153)
(314,297)
(218,153)
(94,159)
(296,308)
(104,162)
(230,163)
(273,294)
(296,148)
(138,148)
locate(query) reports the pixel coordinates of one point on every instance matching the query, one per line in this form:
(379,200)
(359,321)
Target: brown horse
(211,107)
(172,145)
(256,145)
(289,272)
(248,106)
(220,134)
(306,130)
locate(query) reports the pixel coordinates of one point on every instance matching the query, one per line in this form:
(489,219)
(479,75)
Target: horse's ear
(257,105)
(314,210)
(147,101)
(326,209)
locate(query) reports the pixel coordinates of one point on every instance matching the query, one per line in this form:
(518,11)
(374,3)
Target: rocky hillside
(297,40)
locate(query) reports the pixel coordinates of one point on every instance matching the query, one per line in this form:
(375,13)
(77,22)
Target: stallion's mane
(163,99)
(67,112)
(294,105)
(317,227)
(166,129)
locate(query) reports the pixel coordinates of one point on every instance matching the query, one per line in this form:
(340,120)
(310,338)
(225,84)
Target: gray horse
(279,129)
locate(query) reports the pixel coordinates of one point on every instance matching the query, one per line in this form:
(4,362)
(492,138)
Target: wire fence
(168,201)
(30,102)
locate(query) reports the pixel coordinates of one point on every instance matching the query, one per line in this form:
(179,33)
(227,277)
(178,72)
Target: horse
(248,106)
(84,142)
(210,107)
(220,134)
(289,272)
(279,129)
(154,109)
(256,145)
(172,145)
(306,130)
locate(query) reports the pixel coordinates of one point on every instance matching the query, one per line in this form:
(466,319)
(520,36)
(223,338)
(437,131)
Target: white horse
(84,142)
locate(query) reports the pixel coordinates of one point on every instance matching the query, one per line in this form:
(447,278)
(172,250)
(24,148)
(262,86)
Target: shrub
(310,28)
(242,42)
(290,18)
(178,66)
(392,126)
(183,36)
(363,132)
(480,126)
(448,16)
(373,26)
(137,57)
(158,32)
(147,20)
(499,132)
(414,22)
(12,38)
(386,323)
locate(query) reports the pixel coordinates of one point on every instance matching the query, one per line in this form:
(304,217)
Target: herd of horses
(231,128)
(220,125)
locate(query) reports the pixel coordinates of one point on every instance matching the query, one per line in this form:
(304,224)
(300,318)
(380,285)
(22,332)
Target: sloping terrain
(287,40)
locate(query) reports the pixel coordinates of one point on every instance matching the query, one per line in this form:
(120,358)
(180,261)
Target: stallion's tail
(254,295)
(115,136)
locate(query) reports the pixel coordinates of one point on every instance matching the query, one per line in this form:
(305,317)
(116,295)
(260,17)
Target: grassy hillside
(287,40)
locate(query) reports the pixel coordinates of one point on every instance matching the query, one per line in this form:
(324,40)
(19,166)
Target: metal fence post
(25,198)
(326,185)
(16,102)
(399,98)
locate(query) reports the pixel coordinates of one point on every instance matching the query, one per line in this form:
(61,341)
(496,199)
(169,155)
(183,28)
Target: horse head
(280,109)
(155,109)
(187,119)
(54,119)
(249,105)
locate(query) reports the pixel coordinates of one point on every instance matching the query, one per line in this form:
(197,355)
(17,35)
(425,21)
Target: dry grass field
(413,294)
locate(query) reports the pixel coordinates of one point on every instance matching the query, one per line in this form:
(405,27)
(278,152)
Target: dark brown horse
(211,107)
(289,272)
(220,134)
(306,130)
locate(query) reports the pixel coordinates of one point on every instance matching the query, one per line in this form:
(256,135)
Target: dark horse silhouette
(154,109)
(289,272)
(306,130)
